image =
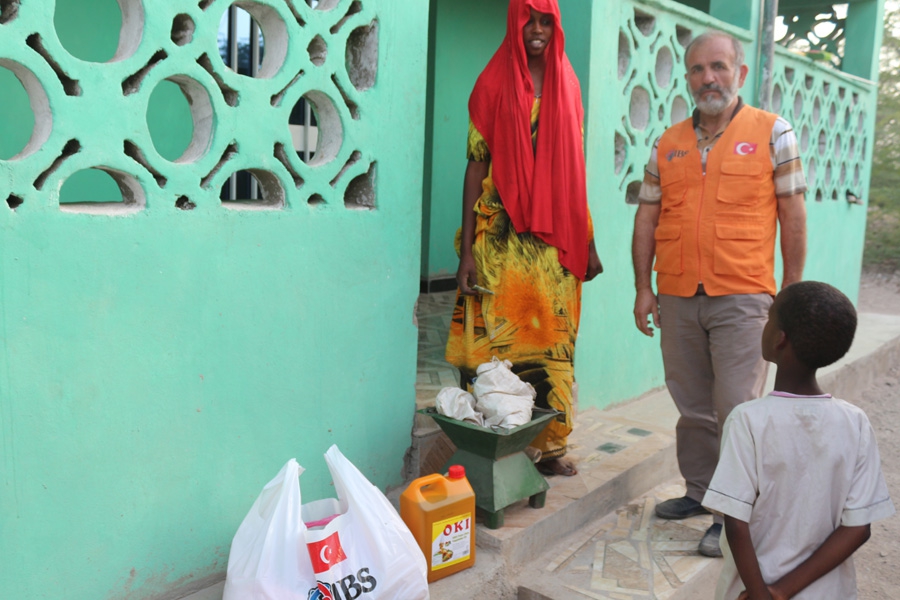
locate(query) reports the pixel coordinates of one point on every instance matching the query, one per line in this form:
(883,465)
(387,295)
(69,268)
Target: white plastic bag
(366,552)
(503,398)
(458,404)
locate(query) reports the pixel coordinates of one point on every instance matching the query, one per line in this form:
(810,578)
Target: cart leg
(538,500)
(493,520)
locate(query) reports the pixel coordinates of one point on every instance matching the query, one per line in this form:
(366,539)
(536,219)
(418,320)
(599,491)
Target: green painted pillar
(576,21)
(863,32)
(739,13)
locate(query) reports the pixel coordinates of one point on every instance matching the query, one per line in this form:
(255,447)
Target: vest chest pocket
(668,249)
(673,185)
(739,249)
(739,182)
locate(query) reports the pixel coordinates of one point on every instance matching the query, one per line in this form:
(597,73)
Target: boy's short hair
(819,321)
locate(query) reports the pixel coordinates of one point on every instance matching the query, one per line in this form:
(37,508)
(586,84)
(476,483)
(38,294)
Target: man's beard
(715,106)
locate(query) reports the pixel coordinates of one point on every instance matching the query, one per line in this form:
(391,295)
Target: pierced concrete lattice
(130,15)
(817,32)
(8,10)
(183,29)
(654,92)
(273,38)
(832,148)
(39,106)
(320,54)
(132,197)
(271,191)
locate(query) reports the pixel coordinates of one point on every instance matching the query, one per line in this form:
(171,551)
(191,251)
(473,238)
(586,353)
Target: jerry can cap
(457,471)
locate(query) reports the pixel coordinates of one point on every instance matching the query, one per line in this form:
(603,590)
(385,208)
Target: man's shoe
(679,508)
(709,545)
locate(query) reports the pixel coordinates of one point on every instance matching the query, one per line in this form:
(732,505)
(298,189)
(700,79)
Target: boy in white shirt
(799,478)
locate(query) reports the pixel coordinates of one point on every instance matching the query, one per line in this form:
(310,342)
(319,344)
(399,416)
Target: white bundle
(503,398)
(458,404)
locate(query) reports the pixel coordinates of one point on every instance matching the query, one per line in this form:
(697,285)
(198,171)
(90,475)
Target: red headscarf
(542,190)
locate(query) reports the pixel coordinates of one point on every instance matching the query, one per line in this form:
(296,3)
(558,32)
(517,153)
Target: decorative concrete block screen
(829,113)
(817,30)
(95,116)
(654,93)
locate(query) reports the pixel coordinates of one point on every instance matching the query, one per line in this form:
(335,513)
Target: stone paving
(433,314)
(629,554)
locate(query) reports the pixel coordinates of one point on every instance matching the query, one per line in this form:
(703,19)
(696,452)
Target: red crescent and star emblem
(326,553)
(744,148)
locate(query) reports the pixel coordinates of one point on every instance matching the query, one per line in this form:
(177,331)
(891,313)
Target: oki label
(451,541)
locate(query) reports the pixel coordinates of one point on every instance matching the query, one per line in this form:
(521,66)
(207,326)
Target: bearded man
(715,191)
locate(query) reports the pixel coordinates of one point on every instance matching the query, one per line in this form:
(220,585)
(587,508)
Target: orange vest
(717,228)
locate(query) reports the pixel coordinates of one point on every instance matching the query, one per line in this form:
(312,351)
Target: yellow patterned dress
(532,317)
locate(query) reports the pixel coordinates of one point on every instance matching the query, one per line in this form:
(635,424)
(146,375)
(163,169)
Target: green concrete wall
(158,365)
(864,22)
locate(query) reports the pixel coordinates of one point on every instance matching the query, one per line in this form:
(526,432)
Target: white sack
(458,404)
(503,398)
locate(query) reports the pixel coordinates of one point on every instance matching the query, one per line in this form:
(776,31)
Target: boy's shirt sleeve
(868,499)
(735,484)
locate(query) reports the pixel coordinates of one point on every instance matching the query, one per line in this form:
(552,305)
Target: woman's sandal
(556,466)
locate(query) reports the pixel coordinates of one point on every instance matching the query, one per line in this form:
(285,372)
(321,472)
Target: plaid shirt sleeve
(651,192)
(788,175)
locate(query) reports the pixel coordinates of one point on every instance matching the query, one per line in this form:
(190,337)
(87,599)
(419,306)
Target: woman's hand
(595,267)
(466,274)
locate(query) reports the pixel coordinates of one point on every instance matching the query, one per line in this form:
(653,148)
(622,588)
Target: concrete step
(629,553)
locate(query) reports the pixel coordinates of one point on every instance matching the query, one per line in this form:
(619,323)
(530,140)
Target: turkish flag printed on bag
(364,551)
(326,553)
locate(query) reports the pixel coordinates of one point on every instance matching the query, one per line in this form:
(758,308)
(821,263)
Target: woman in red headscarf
(526,242)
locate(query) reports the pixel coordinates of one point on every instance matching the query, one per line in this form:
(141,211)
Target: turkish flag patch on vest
(744,148)
(326,553)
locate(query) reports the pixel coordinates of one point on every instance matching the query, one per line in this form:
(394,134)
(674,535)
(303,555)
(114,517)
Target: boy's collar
(790,395)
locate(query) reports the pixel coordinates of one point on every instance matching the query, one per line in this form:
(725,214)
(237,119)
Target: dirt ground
(876,562)
(880,293)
